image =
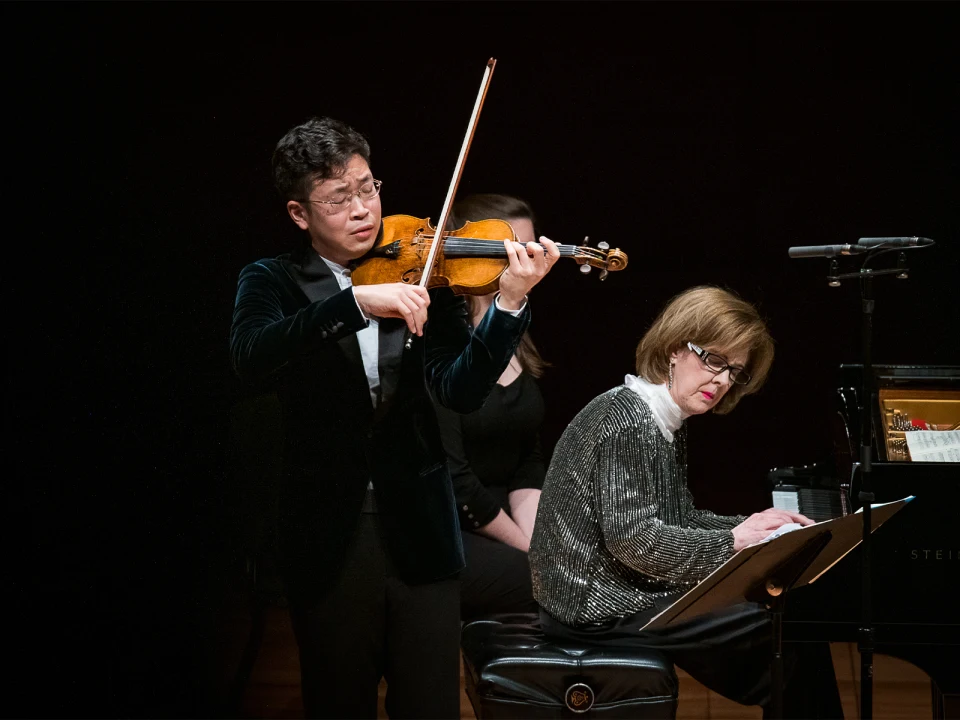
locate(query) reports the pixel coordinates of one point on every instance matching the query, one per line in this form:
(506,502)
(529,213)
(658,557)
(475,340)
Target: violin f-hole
(411,276)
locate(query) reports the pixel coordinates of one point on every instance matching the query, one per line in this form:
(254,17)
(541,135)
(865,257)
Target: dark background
(702,140)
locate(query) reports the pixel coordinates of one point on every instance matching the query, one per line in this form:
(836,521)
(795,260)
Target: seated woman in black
(494,453)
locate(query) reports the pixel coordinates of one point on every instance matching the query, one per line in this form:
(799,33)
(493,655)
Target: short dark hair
(315,150)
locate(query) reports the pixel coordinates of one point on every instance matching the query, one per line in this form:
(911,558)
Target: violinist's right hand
(395,300)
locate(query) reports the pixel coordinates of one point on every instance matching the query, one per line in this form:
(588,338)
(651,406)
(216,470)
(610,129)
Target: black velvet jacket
(295,330)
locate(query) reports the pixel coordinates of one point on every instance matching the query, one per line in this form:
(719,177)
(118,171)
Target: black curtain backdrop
(701,139)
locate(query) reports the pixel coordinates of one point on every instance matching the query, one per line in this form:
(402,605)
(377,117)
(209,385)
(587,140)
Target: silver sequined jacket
(616,527)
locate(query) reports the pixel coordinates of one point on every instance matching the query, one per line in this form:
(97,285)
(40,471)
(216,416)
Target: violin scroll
(601,257)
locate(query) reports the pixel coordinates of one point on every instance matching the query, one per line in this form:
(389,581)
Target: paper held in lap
(933,445)
(738,579)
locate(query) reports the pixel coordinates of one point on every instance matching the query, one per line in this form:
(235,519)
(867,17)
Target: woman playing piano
(617,537)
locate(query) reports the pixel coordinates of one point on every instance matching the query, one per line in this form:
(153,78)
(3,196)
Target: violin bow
(458,171)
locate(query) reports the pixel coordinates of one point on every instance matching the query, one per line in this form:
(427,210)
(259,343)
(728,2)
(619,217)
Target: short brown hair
(712,318)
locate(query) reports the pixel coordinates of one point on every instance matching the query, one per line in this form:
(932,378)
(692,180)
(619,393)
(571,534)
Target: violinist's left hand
(528,265)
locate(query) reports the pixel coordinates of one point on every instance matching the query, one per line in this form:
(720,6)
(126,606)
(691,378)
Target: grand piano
(916,554)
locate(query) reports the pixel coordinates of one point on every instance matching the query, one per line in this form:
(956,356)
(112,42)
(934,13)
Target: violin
(471,258)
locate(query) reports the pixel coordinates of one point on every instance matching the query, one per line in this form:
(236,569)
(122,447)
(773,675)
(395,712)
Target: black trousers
(495,580)
(730,652)
(371,625)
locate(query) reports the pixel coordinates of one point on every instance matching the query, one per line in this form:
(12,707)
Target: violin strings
(486,249)
(494,248)
(466,241)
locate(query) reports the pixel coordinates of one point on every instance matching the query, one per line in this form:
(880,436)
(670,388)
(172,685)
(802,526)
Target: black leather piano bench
(512,671)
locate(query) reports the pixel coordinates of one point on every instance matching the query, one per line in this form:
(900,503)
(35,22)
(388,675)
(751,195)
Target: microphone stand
(866,496)
(872,247)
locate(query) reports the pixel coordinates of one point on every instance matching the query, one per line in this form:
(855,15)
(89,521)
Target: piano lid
(948,375)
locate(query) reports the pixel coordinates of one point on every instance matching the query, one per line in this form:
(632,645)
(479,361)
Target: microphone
(829,251)
(895,242)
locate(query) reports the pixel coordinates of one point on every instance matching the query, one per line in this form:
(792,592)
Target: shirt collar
(334,267)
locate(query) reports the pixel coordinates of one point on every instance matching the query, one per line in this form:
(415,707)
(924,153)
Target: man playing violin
(368,533)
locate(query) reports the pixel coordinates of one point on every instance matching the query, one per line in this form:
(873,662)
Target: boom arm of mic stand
(869,273)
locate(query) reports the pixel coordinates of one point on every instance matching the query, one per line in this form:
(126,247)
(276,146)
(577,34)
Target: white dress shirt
(369,337)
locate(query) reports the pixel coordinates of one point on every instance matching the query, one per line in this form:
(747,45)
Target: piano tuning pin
(585,269)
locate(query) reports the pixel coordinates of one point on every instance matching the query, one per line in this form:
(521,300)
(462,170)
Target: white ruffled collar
(666,413)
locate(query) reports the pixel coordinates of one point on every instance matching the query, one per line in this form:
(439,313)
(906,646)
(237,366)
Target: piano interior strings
(907,410)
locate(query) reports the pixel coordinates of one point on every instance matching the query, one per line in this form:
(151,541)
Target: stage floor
(900,689)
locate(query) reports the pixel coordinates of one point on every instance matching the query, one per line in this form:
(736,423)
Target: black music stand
(767,571)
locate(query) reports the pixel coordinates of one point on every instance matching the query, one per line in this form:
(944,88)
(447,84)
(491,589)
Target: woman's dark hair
(315,150)
(491,206)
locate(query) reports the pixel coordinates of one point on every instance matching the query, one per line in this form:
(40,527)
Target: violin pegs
(586,239)
(603,246)
(585,269)
(603,274)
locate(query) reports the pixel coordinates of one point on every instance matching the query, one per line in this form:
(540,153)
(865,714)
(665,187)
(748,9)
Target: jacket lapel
(318,283)
(393,336)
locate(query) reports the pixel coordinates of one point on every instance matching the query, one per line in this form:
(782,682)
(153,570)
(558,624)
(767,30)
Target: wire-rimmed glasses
(366,192)
(717,364)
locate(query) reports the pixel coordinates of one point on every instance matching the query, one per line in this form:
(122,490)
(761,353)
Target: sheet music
(781,530)
(933,445)
(790,527)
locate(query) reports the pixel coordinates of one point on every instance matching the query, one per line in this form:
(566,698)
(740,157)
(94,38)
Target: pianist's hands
(756,527)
